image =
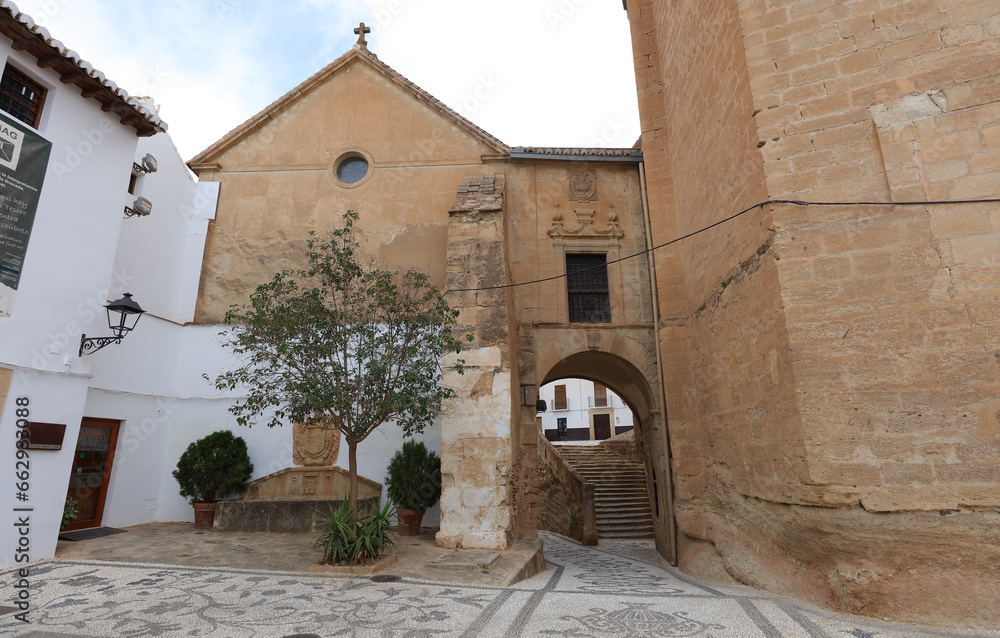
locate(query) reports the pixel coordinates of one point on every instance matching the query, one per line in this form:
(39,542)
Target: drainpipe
(671,522)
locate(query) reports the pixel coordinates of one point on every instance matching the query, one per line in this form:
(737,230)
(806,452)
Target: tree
(342,345)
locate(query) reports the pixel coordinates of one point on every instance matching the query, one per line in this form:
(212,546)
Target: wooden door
(602,427)
(88,482)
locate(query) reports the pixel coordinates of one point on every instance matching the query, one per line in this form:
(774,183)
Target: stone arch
(621,358)
(624,360)
(611,370)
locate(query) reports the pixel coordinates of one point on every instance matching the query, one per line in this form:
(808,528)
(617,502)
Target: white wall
(66,275)
(158,258)
(53,398)
(68,267)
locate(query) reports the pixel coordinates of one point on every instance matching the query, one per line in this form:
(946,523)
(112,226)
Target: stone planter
(409,521)
(204,515)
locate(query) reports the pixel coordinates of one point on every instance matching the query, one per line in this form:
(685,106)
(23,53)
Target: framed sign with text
(24,156)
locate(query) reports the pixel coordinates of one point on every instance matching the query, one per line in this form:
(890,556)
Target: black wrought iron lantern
(123,314)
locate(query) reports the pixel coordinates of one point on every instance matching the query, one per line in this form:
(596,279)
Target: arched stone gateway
(628,367)
(592,327)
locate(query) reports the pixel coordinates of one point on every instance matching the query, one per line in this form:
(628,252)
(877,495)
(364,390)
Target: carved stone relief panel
(583,186)
(314,446)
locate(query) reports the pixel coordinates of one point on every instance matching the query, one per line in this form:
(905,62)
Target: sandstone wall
(891,310)
(566,503)
(831,371)
(278,182)
(546,221)
(478,447)
(730,392)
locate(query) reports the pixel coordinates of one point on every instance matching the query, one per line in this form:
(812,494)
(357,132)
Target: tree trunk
(352,472)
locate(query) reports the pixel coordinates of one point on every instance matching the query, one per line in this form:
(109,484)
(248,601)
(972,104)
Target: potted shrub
(413,484)
(70,513)
(210,469)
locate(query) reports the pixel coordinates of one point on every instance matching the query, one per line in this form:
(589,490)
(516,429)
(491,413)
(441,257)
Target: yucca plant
(345,538)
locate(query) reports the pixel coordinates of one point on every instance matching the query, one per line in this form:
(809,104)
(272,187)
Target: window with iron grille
(21,96)
(587,284)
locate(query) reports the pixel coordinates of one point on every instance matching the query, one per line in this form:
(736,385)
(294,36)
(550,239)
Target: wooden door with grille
(88,482)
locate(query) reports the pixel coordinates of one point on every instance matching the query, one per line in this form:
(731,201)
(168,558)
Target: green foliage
(213,467)
(70,513)
(341,345)
(345,539)
(413,478)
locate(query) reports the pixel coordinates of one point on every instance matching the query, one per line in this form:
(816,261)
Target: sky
(530,72)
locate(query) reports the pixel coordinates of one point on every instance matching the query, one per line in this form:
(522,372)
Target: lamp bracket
(92,345)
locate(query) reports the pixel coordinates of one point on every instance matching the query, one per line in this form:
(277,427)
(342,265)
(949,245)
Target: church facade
(435,192)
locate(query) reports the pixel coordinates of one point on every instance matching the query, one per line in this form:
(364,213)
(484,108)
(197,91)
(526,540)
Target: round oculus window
(352,169)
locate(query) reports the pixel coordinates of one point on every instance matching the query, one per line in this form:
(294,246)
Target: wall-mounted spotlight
(122,317)
(140,208)
(148,165)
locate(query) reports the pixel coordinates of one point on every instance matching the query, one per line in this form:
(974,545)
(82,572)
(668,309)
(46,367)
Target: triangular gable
(231,139)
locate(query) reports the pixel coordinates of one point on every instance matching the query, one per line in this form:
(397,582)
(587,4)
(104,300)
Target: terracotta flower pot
(409,521)
(204,515)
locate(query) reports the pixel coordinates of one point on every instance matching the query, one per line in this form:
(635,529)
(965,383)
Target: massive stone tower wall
(832,371)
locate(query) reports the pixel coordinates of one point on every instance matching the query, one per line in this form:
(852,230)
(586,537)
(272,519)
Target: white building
(581,410)
(109,425)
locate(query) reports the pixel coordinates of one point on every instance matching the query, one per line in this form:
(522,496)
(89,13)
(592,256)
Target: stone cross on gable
(361,31)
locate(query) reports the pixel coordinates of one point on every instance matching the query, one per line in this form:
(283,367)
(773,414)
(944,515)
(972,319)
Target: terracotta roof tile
(37,41)
(542,152)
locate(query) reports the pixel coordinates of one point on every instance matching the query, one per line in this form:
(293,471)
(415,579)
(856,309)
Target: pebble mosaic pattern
(619,589)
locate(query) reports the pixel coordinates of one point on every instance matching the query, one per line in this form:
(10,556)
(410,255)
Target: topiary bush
(213,467)
(413,478)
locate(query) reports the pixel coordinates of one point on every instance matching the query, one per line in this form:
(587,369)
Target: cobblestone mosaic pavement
(619,589)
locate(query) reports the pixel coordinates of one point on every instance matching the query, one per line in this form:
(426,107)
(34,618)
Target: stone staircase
(622,502)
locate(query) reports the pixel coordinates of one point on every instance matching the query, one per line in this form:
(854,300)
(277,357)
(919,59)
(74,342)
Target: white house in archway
(582,410)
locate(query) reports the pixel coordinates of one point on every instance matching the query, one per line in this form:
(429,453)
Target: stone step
(624,518)
(622,525)
(642,515)
(625,535)
(638,493)
(637,474)
(623,528)
(622,502)
(622,499)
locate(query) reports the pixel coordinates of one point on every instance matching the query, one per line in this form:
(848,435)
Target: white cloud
(531,72)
